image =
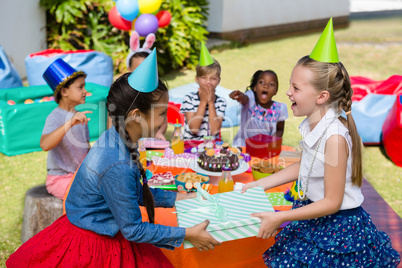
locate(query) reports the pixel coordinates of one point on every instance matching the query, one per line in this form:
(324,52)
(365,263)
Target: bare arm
(194,120)
(51,140)
(239,96)
(286,175)
(334,182)
(214,120)
(336,153)
(280,127)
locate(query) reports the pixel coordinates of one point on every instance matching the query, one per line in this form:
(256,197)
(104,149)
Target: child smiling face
(302,93)
(265,89)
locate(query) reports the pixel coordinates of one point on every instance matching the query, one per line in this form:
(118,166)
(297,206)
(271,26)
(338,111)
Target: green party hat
(325,49)
(205,57)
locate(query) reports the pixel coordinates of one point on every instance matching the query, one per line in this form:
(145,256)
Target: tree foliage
(84,24)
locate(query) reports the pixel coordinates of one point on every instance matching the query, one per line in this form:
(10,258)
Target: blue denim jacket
(106,194)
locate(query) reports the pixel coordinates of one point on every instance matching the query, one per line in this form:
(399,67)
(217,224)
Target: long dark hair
(254,80)
(120,99)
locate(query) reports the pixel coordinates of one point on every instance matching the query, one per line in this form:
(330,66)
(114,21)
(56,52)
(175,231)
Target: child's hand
(210,95)
(270,223)
(248,186)
(80,118)
(203,93)
(237,95)
(200,238)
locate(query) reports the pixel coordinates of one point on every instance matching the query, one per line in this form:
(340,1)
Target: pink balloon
(146,24)
(117,21)
(164,18)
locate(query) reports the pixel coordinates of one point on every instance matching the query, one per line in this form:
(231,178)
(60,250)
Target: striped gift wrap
(238,206)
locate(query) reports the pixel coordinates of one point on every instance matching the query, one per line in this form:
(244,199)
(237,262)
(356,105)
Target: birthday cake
(213,158)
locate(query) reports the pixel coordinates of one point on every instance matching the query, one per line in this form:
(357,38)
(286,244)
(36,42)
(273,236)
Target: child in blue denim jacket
(103,226)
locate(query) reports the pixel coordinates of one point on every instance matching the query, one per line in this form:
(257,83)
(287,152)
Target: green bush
(178,44)
(84,24)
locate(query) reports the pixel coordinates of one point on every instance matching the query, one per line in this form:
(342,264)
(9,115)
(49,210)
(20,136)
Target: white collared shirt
(353,196)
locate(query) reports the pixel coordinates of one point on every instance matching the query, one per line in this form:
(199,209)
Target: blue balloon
(128,9)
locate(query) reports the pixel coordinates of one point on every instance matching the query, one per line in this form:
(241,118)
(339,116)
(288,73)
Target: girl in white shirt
(329,227)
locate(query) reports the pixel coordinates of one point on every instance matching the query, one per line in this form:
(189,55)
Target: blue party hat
(58,73)
(145,77)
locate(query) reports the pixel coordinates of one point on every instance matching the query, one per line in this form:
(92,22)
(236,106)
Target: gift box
(263,146)
(228,213)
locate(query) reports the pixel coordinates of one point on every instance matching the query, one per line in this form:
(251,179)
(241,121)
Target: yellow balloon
(149,6)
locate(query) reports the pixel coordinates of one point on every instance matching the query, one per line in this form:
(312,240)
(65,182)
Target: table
(246,252)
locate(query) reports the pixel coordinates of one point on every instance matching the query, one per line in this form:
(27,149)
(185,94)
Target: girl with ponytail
(329,227)
(103,226)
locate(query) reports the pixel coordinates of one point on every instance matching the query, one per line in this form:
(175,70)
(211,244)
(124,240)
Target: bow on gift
(209,203)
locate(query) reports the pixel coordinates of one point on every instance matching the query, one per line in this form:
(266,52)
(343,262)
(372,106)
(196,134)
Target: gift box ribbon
(209,203)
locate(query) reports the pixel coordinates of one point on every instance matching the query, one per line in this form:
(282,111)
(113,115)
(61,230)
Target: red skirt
(62,244)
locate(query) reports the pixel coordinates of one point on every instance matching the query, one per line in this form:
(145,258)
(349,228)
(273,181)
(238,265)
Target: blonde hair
(334,78)
(204,70)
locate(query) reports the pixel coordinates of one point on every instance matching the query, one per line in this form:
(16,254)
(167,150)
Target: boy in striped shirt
(203,109)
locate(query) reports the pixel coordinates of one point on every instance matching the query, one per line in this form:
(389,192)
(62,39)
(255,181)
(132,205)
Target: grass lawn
(371,48)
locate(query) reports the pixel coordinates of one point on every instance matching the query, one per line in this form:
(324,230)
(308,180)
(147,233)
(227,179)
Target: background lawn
(371,48)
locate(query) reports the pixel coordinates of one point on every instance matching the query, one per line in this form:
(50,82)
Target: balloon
(133,25)
(164,18)
(11,102)
(117,21)
(28,101)
(128,9)
(149,6)
(146,24)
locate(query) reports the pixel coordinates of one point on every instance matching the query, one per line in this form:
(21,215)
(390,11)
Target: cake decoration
(214,159)
(234,150)
(210,152)
(209,145)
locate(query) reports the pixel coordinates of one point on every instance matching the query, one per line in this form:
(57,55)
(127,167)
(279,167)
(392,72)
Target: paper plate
(243,167)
